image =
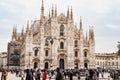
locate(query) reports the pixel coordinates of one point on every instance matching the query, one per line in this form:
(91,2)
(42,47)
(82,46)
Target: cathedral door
(46,65)
(61,63)
(35,65)
(85,65)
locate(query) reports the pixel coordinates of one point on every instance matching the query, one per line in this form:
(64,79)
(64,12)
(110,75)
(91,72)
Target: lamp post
(29,53)
(29,59)
(51,40)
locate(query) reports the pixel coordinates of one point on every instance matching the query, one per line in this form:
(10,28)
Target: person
(86,74)
(97,72)
(65,73)
(29,75)
(4,75)
(44,75)
(109,78)
(59,75)
(90,74)
(78,76)
(37,74)
(71,75)
(22,75)
(95,75)
(102,74)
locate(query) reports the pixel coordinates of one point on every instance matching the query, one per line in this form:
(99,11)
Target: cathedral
(52,41)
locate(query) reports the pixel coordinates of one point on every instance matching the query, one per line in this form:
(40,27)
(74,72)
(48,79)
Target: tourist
(109,78)
(97,72)
(78,76)
(59,75)
(22,74)
(37,74)
(95,75)
(65,74)
(86,75)
(102,74)
(44,75)
(29,75)
(4,75)
(90,74)
(71,75)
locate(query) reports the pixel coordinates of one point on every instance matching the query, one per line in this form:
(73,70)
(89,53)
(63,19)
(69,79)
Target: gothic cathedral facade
(55,41)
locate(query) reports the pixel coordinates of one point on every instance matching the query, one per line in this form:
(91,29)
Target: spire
(91,34)
(52,10)
(80,23)
(13,29)
(27,29)
(49,13)
(14,33)
(68,12)
(90,30)
(22,32)
(71,13)
(42,9)
(55,10)
(81,29)
(86,36)
(30,30)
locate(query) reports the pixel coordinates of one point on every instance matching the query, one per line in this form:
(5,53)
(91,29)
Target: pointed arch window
(62,30)
(46,43)
(85,54)
(61,45)
(35,65)
(76,54)
(46,65)
(36,52)
(46,53)
(76,43)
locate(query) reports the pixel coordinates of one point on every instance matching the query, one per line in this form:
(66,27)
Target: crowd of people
(60,74)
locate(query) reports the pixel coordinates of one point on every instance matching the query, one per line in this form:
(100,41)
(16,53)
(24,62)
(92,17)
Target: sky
(103,15)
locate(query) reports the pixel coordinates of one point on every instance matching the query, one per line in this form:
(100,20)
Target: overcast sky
(104,15)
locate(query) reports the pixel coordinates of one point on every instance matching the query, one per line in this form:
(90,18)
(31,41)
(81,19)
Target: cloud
(3,43)
(106,44)
(112,26)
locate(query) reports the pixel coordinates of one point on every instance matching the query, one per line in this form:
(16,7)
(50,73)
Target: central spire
(42,9)
(80,23)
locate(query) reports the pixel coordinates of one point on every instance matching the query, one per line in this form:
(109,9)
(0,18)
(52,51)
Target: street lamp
(51,40)
(29,59)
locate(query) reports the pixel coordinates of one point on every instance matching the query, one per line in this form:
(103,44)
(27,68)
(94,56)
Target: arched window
(116,63)
(35,65)
(76,43)
(61,45)
(46,65)
(61,30)
(46,53)
(76,65)
(46,43)
(76,54)
(85,54)
(112,63)
(98,63)
(36,52)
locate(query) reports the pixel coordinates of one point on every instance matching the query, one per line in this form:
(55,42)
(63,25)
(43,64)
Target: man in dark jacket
(59,75)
